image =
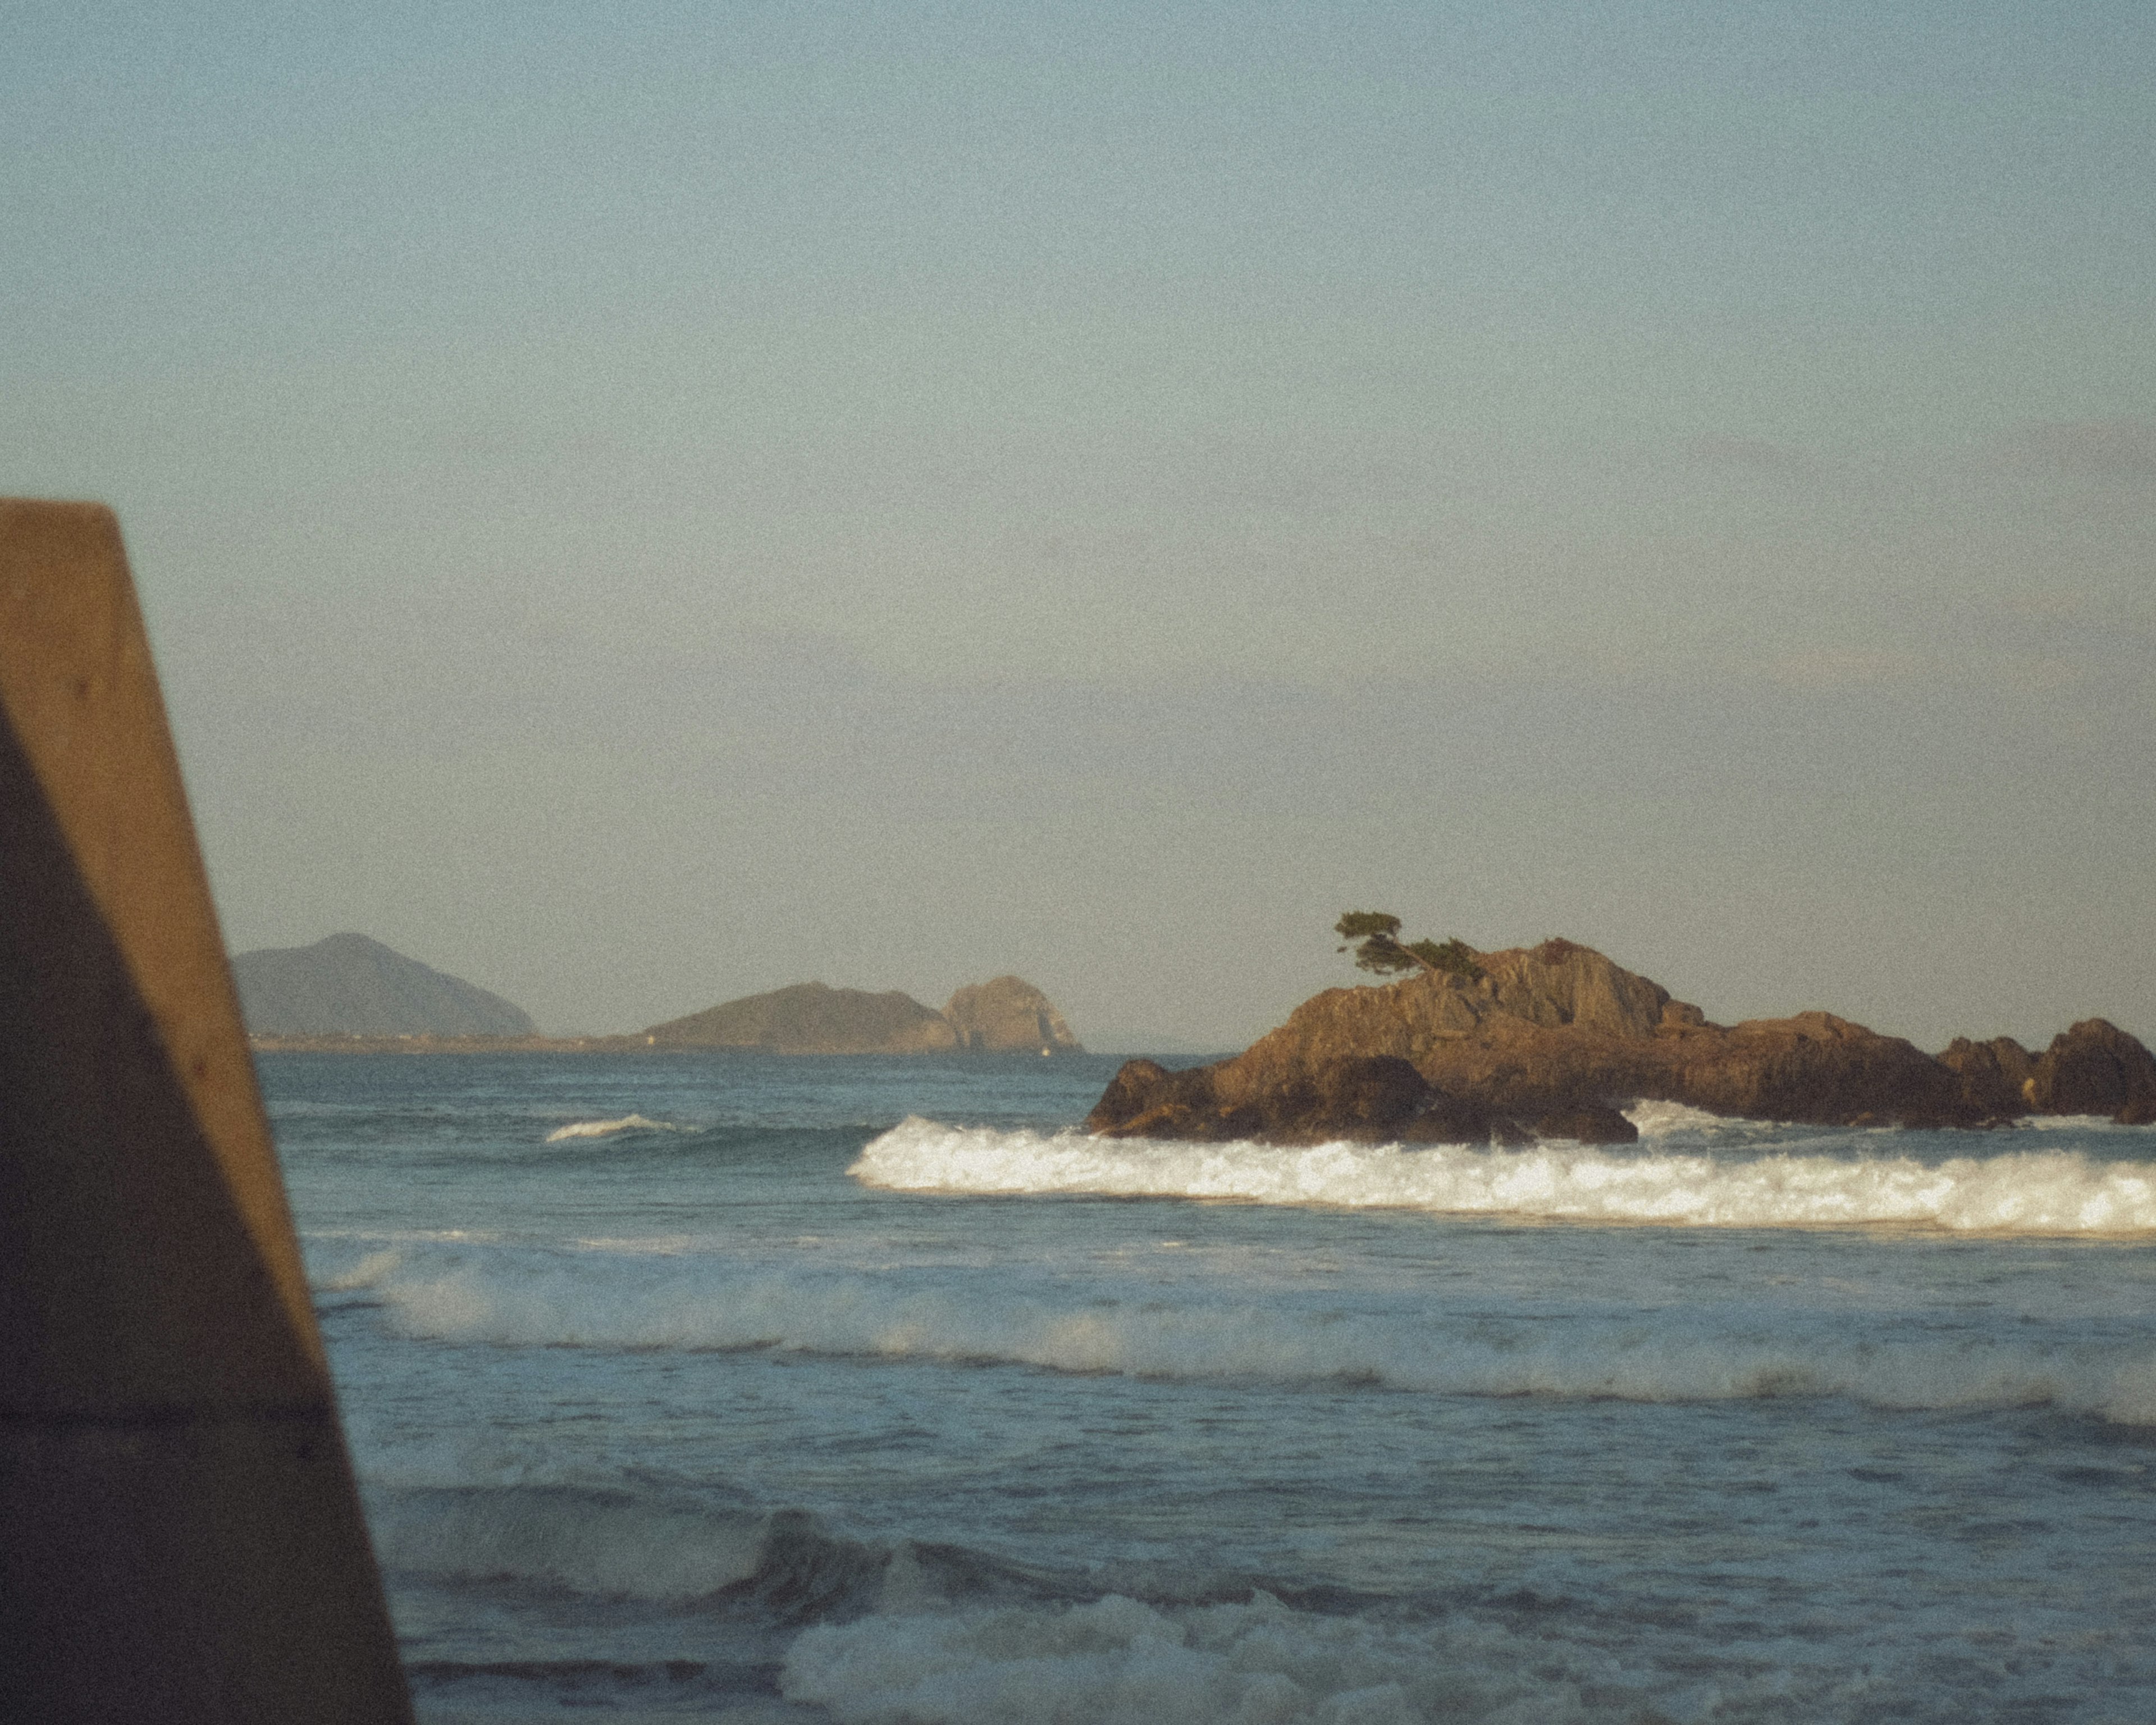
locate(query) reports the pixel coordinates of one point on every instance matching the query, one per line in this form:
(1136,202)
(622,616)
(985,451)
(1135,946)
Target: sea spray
(2028,1192)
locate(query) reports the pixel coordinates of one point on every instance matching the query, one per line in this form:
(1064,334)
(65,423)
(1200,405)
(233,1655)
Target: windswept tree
(1374,939)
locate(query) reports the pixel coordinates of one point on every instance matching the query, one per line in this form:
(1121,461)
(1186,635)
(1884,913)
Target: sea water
(730,1387)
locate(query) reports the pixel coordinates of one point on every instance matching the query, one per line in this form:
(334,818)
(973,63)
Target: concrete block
(180,1537)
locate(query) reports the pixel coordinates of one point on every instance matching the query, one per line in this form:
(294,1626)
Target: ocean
(743,1388)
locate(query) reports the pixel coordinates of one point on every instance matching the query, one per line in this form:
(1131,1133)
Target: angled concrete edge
(180,1537)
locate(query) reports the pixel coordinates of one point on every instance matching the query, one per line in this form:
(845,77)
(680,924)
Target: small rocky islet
(1554,1041)
(1006,1015)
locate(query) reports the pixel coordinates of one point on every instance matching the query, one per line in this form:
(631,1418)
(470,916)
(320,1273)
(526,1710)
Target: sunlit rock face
(1553,1040)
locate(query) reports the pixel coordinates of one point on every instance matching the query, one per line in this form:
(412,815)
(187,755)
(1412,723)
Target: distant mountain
(350,985)
(808,1018)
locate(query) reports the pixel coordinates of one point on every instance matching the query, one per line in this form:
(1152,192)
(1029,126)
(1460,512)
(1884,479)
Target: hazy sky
(640,504)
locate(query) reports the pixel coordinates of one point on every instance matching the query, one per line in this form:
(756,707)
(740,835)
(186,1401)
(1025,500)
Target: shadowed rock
(1366,1099)
(2094,1068)
(1995,1075)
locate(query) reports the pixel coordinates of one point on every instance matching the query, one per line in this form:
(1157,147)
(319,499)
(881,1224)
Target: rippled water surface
(728,1387)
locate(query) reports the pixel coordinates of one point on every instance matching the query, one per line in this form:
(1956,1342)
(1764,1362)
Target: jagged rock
(1561,984)
(1993,1075)
(2094,1068)
(1007,1013)
(1559,1035)
(1813,1067)
(810,1018)
(1374,1099)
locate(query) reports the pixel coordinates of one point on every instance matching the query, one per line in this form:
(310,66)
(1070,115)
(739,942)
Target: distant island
(348,985)
(351,994)
(1554,1041)
(1006,1015)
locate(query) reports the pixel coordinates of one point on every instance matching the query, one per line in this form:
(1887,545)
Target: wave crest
(1117,1658)
(608,1128)
(504,1299)
(2028,1192)
(783,1567)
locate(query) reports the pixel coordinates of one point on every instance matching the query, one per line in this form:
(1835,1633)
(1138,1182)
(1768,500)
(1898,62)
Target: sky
(638,505)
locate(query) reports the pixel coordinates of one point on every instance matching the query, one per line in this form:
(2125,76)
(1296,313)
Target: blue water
(863,1389)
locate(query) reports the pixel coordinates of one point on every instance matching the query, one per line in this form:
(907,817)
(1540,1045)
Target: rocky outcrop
(1371,1099)
(810,1018)
(1553,1040)
(2094,1068)
(1008,1015)
(348,985)
(1994,1075)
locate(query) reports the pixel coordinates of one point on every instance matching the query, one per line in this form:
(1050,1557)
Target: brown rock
(1145,1100)
(1993,1073)
(1556,1034)
(1816,1068)
(1361,1099)
(1590,1123)
(1454,1120)
(1562,985)
(2094,1068)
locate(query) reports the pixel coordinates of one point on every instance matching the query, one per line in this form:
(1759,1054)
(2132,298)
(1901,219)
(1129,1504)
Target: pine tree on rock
(1373,936)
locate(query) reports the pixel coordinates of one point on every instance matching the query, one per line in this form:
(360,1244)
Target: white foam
(608,1128)
(1748,1352)
(1660,1120)
(2027,1192)
(1118,1661)
(366,1272)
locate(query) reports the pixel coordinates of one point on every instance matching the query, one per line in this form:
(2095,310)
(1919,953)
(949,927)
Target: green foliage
(1373,936)
(1454,957)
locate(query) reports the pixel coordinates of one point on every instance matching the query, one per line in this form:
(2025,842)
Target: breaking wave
(907,1632)
(782,1566)
(564,1539)
(904,1631)
(2026,1192)
(608,1128)
(1118,1658)
(705,1302)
